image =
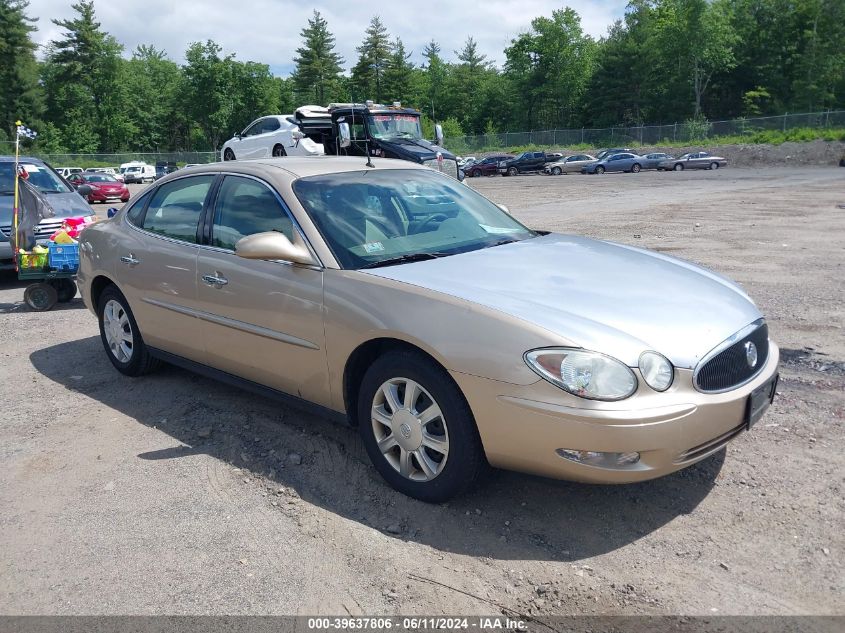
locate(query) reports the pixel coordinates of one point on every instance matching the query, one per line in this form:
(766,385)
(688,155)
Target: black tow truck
(362,129)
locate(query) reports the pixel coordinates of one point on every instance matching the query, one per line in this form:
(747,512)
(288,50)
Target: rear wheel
(678,167)
(40,297)
(635,168)
(228,154)
(714,165)
(278,150)
(120,335)
(418,429)
(65,289)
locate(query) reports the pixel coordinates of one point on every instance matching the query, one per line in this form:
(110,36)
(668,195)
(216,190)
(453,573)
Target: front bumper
(103,196)
(521,427)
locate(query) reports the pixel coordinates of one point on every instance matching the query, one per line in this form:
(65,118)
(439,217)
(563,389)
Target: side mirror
(272,245)
(344,134)
(504,208)
(111,212)
(84,190)
(438,134)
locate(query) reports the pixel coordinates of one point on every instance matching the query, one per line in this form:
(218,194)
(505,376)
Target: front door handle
(217,279)
(130,259)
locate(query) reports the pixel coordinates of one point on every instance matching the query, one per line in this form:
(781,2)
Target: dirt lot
(175,494)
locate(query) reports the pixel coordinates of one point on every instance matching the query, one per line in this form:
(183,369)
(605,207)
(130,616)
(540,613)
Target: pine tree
(318,67)
(397,75)
(19,90)
(435,77)
(373,57)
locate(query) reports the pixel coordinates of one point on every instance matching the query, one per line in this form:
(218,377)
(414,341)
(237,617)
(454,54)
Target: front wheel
(476,173)
(556,171)
(678,167)
(512,171)
(635,168)
(120,335)
(418,429)
(40,296)
(599,169)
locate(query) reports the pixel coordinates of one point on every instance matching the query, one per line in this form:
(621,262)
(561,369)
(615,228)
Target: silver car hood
(66,205)
(602,296)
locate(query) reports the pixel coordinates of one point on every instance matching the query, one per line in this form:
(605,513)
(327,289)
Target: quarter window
(175,208)
(245,207)
(134,215)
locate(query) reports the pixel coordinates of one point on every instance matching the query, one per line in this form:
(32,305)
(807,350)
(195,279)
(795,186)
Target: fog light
(598,458)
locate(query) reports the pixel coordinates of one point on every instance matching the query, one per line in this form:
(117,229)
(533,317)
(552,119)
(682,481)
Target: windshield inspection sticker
(374,247)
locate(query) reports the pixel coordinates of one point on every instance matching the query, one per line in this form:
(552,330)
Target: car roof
(303,166)
(21,159)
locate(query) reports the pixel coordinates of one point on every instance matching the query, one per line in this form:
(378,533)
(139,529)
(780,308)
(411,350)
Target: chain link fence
(114,160)
(687,132)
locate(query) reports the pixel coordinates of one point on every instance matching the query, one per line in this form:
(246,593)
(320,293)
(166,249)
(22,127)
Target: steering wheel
(437,217)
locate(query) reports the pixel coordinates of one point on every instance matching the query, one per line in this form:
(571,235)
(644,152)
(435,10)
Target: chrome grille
(45,229)
(448,166)
(728,367)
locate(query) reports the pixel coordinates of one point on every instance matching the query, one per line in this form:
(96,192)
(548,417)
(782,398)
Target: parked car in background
(604,153)
(66,172)
(488,166)
(111,171)
(569,165)
(276,135)
(624,161)
(138,172)
(463,161)
(104,187)
(430,319)
(527,162)
(164,167)
(651,161)
(693,160)
(66,202)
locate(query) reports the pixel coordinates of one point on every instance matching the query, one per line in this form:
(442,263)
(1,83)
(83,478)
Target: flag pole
(17,196)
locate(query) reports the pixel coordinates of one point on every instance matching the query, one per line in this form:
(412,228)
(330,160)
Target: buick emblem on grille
(751,354)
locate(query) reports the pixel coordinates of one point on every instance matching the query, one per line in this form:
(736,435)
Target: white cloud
(267,31)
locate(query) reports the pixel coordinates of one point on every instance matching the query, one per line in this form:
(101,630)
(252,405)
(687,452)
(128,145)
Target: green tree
(154,83)
(373,59)
(467,79)
(318,67)
(433,80)
(398,73)
(20,96)
(208,94)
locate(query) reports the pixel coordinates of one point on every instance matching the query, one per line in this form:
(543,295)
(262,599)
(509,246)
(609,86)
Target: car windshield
(394,126)
(100,178)
(40,176)
(372,218)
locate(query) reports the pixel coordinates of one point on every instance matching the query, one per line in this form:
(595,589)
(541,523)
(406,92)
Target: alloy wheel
(410,429)
(118,331)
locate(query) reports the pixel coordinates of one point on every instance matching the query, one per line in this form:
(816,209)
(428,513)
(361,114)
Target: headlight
(657,371)
(584,374)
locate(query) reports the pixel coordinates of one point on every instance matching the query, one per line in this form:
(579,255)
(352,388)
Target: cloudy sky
(267,31)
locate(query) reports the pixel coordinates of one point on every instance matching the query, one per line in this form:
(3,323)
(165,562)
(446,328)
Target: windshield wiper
(404,259)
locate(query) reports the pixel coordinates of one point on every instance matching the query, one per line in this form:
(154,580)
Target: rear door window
(175,208)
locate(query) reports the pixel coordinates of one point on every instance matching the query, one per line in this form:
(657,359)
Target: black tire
(556,171)
(228,154)
(513,171)
(714,166)
(599,169)
(476,173)
(465,462)
(40,297)
(678,167)
(65,289)
(635,168)
(140,361)
(279,151)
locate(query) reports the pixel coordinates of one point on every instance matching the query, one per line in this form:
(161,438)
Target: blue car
(617,162)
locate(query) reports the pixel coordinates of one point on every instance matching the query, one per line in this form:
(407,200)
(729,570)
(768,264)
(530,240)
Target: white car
(67,172)
(105,170)
(276,135)
(138,172)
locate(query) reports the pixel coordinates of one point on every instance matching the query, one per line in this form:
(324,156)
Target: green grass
(752,137)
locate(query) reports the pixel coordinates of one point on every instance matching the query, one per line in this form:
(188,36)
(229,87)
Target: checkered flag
(25,132)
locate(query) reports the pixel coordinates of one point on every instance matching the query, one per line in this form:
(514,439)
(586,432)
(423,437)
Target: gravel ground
(174,494)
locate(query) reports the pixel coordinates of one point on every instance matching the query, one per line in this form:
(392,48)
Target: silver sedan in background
(570,164)
(616,162)
(693,160)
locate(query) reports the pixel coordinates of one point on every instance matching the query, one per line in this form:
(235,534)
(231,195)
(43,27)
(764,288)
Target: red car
(486,166)
(104,188)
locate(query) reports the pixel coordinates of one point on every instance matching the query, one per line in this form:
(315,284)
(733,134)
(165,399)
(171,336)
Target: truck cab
(354,129)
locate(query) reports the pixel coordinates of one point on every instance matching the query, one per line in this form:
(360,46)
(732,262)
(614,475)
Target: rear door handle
(216,279)
(130,259)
